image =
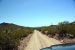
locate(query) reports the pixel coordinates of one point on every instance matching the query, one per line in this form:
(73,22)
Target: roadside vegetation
(62,30)
(11,34)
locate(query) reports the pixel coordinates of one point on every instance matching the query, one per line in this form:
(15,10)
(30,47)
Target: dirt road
(39,40)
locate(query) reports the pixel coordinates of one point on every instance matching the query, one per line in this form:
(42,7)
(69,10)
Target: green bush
(11,34)
(63,29)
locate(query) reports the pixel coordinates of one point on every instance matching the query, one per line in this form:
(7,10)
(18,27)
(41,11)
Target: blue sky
(35,13)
